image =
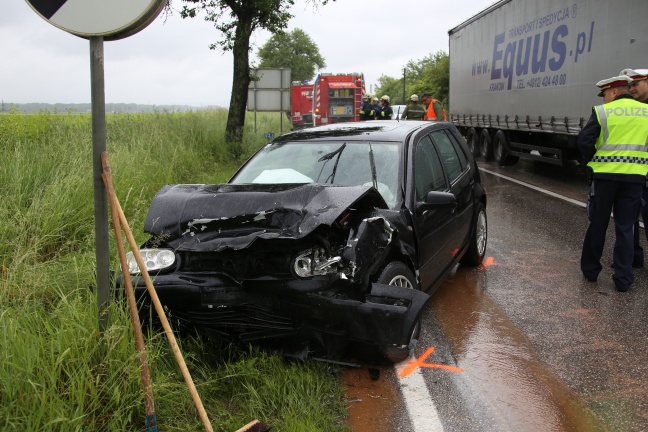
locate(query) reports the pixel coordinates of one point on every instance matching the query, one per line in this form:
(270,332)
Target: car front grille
(239,264)
(246,322)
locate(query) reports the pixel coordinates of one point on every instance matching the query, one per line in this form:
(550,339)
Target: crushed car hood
(218,216)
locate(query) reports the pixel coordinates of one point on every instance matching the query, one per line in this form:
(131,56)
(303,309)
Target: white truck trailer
(523,72)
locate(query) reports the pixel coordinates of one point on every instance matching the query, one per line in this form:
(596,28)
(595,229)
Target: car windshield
(338,163)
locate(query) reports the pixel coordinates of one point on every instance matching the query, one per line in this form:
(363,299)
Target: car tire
(502,150)
(397,273)
(478,239)
(485,145)
(473,141)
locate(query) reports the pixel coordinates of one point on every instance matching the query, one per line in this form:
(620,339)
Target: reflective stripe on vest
(622,146)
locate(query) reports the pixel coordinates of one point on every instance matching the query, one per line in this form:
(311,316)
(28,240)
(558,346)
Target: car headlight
(154,259)
(315,262)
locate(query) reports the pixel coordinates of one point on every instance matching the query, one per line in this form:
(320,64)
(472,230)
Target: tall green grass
(57,371)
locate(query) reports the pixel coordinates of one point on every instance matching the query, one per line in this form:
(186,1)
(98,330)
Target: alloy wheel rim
(401,281)
(481,233)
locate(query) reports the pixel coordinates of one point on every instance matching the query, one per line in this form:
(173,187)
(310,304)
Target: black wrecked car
(326,237)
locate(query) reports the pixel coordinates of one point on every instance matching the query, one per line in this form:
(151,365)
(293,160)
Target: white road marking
(536,188)
(544,191)
(422,412)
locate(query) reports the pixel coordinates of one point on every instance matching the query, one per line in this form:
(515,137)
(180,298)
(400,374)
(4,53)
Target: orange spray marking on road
(487,263)
(420,363)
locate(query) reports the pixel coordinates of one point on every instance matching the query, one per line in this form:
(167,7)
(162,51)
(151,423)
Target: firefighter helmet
(414,98)
(385,98)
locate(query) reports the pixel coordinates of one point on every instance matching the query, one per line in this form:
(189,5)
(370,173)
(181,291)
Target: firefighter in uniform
(375,113)
(386,111)
(613,144)
(639,91)
(414,110)
(365,109)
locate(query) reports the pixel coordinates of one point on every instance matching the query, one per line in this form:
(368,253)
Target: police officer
(365,109)
(386,111)
(414,110)
(613,144)
(639,91)
(639,84)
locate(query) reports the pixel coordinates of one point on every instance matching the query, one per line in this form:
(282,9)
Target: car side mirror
(438,200)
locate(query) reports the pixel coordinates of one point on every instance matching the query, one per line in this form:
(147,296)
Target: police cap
(635,74)
(617,81)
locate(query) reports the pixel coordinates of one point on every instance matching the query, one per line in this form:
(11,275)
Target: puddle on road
(499,358)
(372,402)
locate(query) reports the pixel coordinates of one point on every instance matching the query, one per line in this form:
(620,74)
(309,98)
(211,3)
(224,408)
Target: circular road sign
(112,19)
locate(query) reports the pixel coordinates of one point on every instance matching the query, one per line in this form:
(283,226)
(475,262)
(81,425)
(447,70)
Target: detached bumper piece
(387,316)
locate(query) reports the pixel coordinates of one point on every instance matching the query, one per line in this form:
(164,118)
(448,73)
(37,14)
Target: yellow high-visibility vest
(622,146)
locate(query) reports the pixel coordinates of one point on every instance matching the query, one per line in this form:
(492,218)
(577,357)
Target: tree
(392,87)
(237,20)
(294,50)
(431,75)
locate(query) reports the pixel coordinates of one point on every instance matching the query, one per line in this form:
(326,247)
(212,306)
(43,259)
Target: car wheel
(485,145)
(501,150)
(473,141)
(398,274)
(478,239)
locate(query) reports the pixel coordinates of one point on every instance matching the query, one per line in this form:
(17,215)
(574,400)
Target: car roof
(375,130)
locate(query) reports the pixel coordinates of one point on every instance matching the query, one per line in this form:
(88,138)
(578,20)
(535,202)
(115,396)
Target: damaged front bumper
(270,309)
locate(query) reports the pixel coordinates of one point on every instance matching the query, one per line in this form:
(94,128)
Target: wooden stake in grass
(154,298)
(151,419)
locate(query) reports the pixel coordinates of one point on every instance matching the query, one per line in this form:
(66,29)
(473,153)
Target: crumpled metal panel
(367,247)
(258,312)
(188,217)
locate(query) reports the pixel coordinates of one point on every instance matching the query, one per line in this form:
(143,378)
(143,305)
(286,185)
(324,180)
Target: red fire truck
(333,98)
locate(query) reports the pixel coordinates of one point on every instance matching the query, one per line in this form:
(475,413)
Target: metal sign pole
(102,249)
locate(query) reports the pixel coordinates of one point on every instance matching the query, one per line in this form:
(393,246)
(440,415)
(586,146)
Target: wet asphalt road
(539,347)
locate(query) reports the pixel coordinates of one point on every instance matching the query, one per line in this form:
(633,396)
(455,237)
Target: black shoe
(589,278)
(620,287)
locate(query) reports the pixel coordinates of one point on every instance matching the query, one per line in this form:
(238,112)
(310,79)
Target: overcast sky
(170,62)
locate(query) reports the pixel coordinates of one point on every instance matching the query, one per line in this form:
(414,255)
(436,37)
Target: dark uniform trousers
(638,250)
(625,199)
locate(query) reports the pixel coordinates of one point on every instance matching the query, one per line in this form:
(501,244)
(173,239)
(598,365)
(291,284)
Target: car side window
(463,158)
(428,173)
(453,158)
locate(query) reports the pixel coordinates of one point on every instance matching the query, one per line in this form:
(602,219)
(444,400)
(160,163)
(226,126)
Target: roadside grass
(57,371)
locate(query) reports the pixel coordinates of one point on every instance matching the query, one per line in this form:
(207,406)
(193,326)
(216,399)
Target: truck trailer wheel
(485,145)
(473,141)
(502,149)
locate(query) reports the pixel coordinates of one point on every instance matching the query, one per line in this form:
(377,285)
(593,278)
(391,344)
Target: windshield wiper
(374,178)
(327,157)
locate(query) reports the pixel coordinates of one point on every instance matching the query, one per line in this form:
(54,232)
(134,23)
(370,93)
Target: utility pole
(404,86)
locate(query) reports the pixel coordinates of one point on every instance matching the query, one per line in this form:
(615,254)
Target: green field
(57,371)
